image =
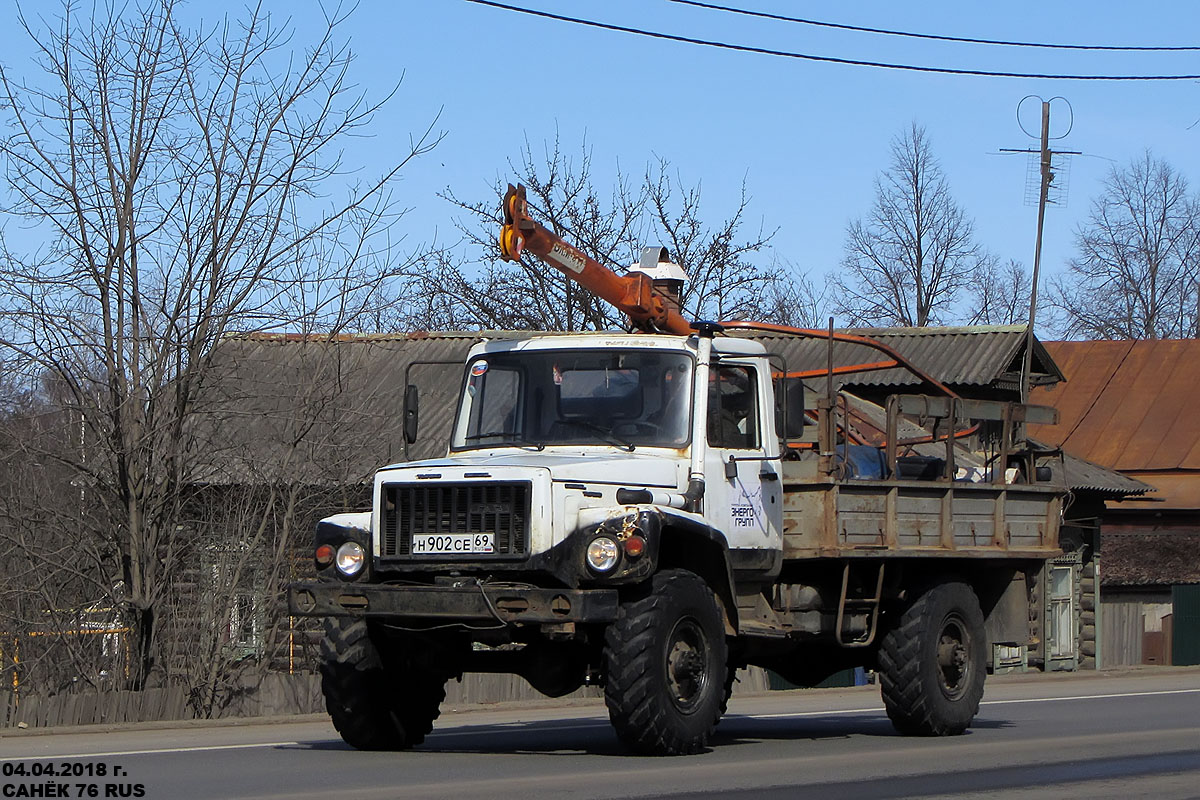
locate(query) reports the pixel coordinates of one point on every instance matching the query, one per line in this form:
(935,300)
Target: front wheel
(372,706)
(932,664)
(666,663)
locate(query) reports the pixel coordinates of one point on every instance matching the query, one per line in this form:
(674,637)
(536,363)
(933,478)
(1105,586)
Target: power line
(936,37)
(825,59)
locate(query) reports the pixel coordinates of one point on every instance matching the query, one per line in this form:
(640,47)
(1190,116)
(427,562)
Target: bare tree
(907,262)
(999,295)
(470,287)
(723,280)
(291,433)
(186,185)
(794,299)
(1138,263)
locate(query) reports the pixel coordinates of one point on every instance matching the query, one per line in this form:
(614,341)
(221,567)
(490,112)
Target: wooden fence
(274,695)
(1121,635)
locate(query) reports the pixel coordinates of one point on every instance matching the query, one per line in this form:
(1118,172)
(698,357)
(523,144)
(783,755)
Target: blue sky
(807,138)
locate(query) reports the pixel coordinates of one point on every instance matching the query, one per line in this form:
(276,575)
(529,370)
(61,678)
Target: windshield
(627,398)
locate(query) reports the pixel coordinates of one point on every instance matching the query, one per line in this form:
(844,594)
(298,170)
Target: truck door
(743,499)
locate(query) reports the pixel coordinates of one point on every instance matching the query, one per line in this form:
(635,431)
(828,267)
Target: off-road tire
(932,663)
(373,707)
(666,664)
(731,677)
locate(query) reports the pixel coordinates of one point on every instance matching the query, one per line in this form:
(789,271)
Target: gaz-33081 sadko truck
(649,511)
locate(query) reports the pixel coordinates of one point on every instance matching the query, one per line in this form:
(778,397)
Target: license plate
(454,543)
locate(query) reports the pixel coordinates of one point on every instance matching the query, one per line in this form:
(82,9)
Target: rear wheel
(666,663)
(932,664)
(373,707)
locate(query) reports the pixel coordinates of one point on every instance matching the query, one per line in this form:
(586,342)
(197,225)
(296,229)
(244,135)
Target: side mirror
(789,408)
(411,405)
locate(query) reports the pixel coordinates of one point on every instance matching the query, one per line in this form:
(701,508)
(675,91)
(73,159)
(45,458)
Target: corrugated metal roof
(965,358)
(1128,405)
(323,412)
(1081,475)
(326,411)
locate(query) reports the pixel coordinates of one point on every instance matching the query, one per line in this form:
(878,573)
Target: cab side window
(733,408)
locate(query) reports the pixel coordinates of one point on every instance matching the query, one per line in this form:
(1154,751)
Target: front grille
(444,508)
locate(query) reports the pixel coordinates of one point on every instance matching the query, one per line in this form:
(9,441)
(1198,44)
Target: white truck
(651,511)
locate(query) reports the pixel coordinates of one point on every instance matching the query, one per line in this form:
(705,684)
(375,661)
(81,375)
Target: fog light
(602,554)
(634,546)
(324,555)
(350,558)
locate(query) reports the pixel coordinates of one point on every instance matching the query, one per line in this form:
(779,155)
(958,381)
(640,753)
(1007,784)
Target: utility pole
(1047,175)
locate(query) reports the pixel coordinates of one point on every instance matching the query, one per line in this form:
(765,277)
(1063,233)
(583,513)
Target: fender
(681,532)
(674,539)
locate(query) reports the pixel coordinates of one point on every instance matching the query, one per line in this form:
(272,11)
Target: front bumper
(470,603)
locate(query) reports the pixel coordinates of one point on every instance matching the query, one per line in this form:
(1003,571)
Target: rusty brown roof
(1128,405)
(1131,406)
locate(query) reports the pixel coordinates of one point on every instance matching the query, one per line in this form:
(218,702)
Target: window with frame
(1061,579)
(235,603)
(733,408)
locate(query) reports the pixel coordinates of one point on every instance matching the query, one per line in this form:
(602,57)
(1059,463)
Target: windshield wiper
(515,442)
(605,433)
(490,434)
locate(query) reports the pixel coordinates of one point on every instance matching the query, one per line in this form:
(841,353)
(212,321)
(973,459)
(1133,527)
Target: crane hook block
(515,210)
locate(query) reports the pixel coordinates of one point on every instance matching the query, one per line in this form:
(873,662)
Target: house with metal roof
(1131,407)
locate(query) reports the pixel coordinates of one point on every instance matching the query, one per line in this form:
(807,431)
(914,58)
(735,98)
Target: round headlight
(350,558)
(602,554)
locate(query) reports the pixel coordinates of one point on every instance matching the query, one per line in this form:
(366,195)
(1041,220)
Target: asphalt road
(1053,736)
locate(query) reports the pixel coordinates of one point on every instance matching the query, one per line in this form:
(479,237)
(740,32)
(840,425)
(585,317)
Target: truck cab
(574,462)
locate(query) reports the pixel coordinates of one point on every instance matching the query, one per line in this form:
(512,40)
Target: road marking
(831,713)
(875,709)
(472,729)
(1088,697)
(116,753)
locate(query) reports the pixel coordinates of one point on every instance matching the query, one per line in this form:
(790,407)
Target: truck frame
(649,511)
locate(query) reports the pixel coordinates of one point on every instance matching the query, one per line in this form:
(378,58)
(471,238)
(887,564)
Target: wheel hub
(953,658)
(687,664)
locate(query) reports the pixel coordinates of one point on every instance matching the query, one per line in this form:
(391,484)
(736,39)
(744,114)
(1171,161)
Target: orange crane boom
(633,295)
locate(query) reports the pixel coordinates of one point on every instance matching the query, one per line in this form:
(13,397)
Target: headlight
(602,554)
(350,559)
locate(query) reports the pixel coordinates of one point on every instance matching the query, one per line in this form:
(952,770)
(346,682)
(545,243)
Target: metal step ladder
(852,604)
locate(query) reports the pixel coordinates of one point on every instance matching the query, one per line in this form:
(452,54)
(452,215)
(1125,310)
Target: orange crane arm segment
(633,294)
